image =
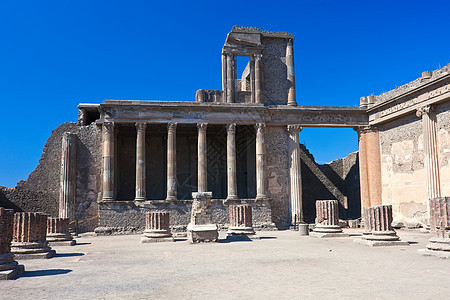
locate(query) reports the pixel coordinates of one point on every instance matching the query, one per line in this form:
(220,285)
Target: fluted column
(141,194)
(290,73)
(157,227)
(327,219)
(9,268)
(230,79)
(108,161)
(171,162)
(241,222)
(202,161)
(252,78)
(431,153)
(260,162)
(58,232)
(258,77)
(224,76)
(68,176)
(439,243)
(231,162)
(295,174)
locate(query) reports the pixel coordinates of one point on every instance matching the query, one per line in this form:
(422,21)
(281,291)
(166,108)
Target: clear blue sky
(56,54)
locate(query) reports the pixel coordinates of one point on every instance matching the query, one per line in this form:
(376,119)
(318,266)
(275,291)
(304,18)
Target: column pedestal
(378,220)
(157,227)
(58,232)
(9,268)
(201,229)
(241,226)
(29,238)
(327,220)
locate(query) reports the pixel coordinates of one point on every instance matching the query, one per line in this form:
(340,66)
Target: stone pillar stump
(439,243)
(201,229)
(9,268)
(327,220)
(29,237)
(157,227)
(379,231)
(58,232)
(241,221)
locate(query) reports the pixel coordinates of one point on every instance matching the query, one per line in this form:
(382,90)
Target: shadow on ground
(45,272)
(68,254)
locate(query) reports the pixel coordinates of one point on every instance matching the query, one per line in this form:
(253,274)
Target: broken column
(439,243)
(201,229)
(9,268)
(381,233)
(241,221)
(327,220)
(68,176)
(157,227)
(29,237)
(58,232)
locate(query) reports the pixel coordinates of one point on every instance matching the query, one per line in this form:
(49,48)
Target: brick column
(171,162)
(290,73)
(260,162)
(378,220)
(202,160)
(241,221)
(258,77)
(141,191)
(68,176)
(9,268)
(58,232)
(295,174)
(201,228)
(231,162)
(108,161)
(29,238)
(157,227)
(327,219)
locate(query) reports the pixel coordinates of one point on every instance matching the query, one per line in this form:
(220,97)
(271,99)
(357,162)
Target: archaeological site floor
(280,265)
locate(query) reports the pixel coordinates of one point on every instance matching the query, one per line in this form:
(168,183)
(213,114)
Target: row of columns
(108,138)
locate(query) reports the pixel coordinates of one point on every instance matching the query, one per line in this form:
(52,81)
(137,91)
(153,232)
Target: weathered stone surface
(9,268)
(29,236)
(58,232)
(241,220)
(201,229)
(327,220)
(157,227)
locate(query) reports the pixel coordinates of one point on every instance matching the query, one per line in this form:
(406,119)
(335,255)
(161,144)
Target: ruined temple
(125,157)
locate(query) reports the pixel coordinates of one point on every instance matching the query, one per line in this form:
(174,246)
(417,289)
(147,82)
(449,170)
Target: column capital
(202,127)
(231,127)
(294,128)
(140,126)
(260,127)
(258,56)
(108,126)
(290,42)
(424,110)
(171,127)
(366,129)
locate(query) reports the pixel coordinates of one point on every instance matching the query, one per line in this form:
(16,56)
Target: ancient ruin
(241,221)
(157,227)
(327,220)
(9,268)
(58,232)
(201,228)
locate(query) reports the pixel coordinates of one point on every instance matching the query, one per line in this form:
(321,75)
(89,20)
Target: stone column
(379,220)
(439,244)
(295,174)
(252,78)
(29,238)
(230,78)
(327,219)
(290,73)
(58,232)
(141,193)
(231,162)
(202,161)
(201,228)
(171,162)
(224,77)
(241,221)
(108,161)
(157,227)
(68,176)
(9,268)
(260,162)
(258,77)
(431,153)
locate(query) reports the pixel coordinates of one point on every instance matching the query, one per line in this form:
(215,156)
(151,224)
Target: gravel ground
(281,265)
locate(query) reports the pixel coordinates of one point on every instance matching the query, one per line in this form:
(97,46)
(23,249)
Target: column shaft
(260,162)
(224,77)
(290,73)
(230,79)
(108,161)
(202,161)
(231,162)
(68,176)
(258,75)
(140,163)
(252,78)
(295,174)
(171,162)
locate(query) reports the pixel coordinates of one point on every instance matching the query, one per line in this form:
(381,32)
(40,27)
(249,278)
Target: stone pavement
(280,265)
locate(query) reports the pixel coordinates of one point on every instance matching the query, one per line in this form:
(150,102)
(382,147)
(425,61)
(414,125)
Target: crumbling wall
(275,91)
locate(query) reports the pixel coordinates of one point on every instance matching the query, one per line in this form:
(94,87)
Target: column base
(262,198)
(428,252)
(140,199)
(34,250)
(12,273)
(292,103)
(202,233)
(44,255)
(145,239)
(241,231)
(303,229)
(374,243)
(171,198)
(231,199)
(60,239)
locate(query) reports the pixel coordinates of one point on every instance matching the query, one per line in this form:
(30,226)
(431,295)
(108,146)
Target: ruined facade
(241,143)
